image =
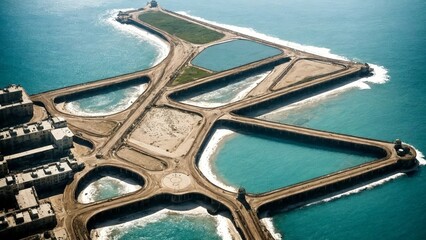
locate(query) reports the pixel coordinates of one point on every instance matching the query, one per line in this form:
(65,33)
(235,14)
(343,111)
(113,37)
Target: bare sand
(305,69)
(166,131)
(140,159)
(39,114)
(100,127)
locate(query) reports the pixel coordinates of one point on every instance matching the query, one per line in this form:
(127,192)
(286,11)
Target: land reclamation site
(159,140)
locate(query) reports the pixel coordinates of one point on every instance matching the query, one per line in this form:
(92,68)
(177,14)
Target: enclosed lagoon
(233,54)
(185,221)
(220,94)
(103,102)
(106,183)
(260,163)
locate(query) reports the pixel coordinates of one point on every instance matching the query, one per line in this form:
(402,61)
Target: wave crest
(162,47)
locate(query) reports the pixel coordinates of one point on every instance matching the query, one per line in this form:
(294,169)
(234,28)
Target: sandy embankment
(224,226)
(166,131)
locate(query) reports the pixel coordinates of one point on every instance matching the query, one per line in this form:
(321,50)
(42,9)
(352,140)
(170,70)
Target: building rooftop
(8,180)
(60,133)
(13,95)
(58,122)
(27,198)
(43,171)
(29,152)
(10,88)
(25,216)
(24,129)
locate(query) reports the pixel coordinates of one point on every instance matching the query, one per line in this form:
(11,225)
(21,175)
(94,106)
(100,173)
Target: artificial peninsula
(48,153)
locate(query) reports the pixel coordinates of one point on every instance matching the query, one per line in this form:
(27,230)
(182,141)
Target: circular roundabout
(176,181)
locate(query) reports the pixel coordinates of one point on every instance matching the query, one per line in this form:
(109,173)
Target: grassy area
(182,29)
(189,74)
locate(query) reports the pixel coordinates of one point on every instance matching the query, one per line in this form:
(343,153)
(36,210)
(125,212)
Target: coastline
(206,100)
(162,46)
(206,159)
(91,192)
(224,226)
(131,95)
(380,76)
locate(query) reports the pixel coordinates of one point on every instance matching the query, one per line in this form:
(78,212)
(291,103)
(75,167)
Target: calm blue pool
(233,54)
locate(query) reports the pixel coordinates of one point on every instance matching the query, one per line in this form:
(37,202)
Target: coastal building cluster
(33,157)
(15,104)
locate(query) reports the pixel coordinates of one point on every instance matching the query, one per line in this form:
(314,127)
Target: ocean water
(50,44)
(389,34)
(219,96)
(224,56)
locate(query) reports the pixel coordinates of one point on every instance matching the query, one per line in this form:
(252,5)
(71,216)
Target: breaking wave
(162,47)
(224,226)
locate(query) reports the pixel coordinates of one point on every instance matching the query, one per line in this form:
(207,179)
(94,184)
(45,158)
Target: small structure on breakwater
(122,17)
(153,4)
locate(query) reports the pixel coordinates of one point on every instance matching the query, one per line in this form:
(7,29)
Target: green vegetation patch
(189,74)
(182,29)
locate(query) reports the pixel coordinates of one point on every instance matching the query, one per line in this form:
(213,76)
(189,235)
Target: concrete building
(27,198)
(21,144)
(4,170)
(43,177)
(154,4)
(29,215)
(15,104)
(21,222)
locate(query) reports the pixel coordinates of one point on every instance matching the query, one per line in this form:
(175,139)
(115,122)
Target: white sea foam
(91,192)
(420,156)
(269,224)
(162,46)
(131,95)
(209,99)
(224,225)
(379,76)
(162,51)
(252,32)
(205,161)
(359,189)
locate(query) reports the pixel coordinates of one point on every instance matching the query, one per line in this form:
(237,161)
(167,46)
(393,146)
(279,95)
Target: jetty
(114,141)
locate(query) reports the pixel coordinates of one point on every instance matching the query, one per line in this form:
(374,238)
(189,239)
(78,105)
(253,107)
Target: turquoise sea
(47,44)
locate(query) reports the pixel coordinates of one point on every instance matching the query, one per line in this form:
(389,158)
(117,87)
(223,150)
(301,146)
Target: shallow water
(261,164)
(184,221)
(233,54)
(105,103)
(42,54)
(219,96)
(107,186)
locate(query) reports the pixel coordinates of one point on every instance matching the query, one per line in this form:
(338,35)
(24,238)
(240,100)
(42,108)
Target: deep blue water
(387,33)
(233,54)
(51,44)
